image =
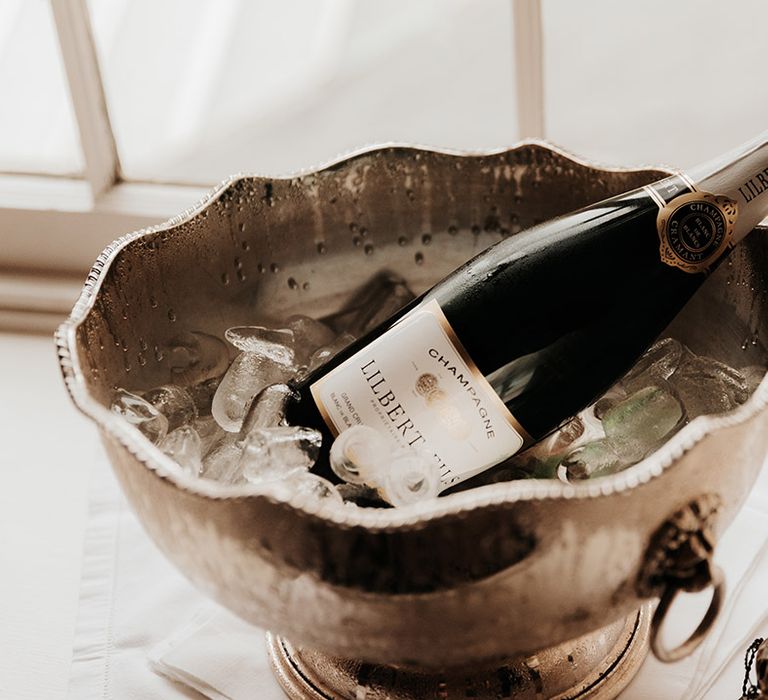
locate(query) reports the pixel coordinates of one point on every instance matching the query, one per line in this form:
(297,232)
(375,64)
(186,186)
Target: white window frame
(51,228)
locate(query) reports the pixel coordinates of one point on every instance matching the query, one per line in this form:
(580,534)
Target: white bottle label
(417,386)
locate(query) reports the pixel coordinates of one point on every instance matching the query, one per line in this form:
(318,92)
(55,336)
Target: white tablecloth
(134,604)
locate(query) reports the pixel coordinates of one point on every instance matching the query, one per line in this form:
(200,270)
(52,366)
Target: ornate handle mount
(679,558)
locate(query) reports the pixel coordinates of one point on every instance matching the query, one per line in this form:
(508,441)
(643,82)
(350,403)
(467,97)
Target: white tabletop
(46,452)
(78,572)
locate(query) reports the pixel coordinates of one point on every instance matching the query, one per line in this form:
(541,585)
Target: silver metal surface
(503,570)
(596,666)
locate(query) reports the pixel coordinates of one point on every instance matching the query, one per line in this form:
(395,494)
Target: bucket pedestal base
(597,666)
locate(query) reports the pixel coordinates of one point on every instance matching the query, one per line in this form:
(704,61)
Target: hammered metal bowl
(501,570)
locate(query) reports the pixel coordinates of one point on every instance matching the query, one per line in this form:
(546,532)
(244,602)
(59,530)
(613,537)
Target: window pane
(201,89)
(654,81)
(38,132)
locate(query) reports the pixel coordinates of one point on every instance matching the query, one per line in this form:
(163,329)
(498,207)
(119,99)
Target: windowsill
(53,231)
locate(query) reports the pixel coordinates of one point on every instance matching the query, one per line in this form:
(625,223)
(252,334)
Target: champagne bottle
(530,331)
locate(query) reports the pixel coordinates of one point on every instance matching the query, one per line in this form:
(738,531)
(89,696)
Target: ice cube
(308,335)
(411,476)
(360,495)
(222,460)
(267,408)
(273,453)
(616,394)
(581,429)
(195,356)
(597,458)
(381,297)
(140,413)
(657,364)
(325,353)
(209,431)
(568,434)
(359,455)
(174,403)
(637,425)
(561,439)
(184,446)
(202,394)
(275,344)
(303,484)
(248,374)
(708,386)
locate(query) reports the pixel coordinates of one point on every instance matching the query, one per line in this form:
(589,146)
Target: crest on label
(695,229)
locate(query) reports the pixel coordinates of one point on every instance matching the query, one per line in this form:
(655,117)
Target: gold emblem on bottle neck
(695,230)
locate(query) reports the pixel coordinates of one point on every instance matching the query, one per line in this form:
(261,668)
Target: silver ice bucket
(533,588)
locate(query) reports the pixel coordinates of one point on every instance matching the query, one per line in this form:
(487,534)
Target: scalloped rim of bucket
(490,495)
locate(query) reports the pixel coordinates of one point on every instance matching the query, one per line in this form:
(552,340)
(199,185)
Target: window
(118,114)
(163,100)
(37,126)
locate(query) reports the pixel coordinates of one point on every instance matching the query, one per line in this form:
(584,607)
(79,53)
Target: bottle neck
(740,175)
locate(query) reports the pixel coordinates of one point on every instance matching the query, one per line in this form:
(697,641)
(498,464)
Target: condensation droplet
(357,241)
(159,354)
(238,264)
(171,316)
(142,359)
(305,286)
(321,247)
(419,258)
(274,267)
(153,302)
(240,274)
(368,249)
(260,267)
(453,230)
(426,239)
(363,231)
(353,227)
(402,241)
(142,345)
(224,278)
(410,194)
(242,227)
(292,283)
(246,245)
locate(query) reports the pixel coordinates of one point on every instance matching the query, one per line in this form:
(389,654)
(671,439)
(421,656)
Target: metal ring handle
(717,581)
